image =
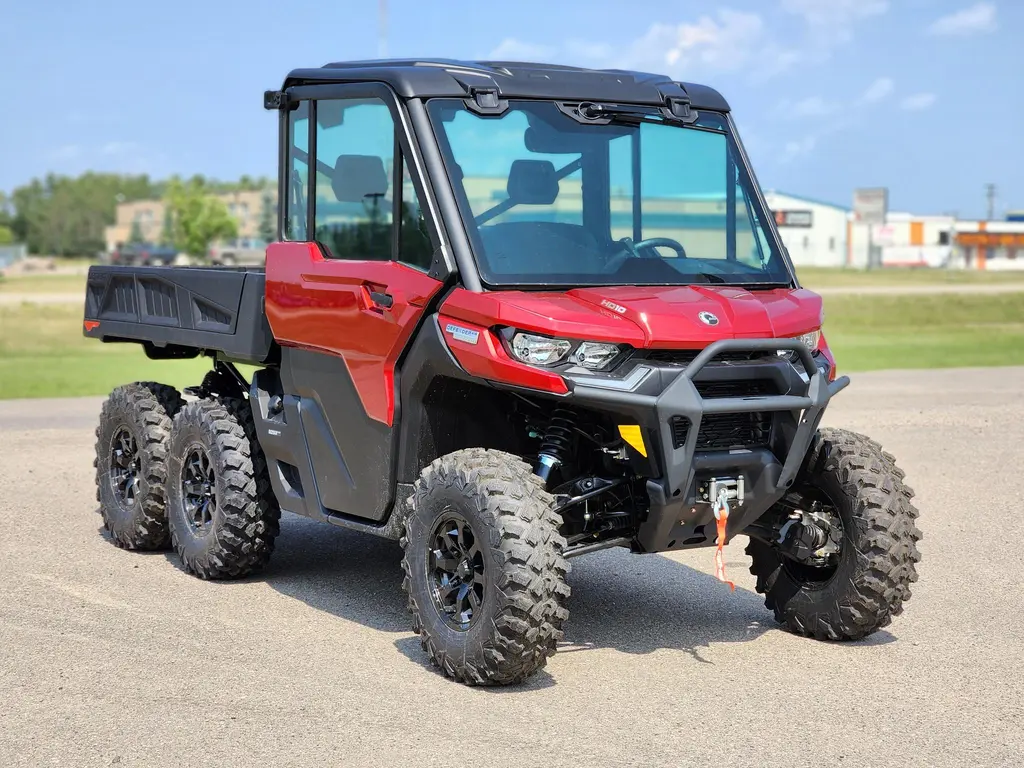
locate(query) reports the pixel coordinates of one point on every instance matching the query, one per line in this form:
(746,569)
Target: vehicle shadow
(633,604)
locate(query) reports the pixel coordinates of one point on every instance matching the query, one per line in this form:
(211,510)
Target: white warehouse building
(815,233)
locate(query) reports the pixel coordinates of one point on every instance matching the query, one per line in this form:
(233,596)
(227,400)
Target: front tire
(484,570)
(876,564)
(223,516)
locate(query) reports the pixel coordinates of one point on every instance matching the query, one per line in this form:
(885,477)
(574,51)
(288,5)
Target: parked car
(245,250)
(143,255)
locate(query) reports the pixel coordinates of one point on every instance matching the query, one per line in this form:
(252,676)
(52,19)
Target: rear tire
(223,515)
(500,617)
(877,561)
(131,463)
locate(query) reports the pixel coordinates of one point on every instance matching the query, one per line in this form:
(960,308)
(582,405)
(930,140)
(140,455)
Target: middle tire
(223,517)
(484,569)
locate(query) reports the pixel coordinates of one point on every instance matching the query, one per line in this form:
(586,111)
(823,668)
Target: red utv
(515,314)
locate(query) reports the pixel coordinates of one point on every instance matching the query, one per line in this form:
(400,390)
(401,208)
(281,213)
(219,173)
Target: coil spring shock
(556,442)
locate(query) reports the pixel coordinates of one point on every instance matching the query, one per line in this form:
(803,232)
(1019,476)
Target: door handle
(382,300)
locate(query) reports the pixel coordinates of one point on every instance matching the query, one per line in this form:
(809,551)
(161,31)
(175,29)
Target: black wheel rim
(816,573)
(455,569)
(198,486)
(125,468)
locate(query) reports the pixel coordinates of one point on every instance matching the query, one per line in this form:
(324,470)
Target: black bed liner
(181,311)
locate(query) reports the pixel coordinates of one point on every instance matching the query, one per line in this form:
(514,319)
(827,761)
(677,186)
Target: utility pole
(382,29)
(990,196)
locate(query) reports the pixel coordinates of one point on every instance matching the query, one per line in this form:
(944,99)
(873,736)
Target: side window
(355,144)
(298,173)
(414,247)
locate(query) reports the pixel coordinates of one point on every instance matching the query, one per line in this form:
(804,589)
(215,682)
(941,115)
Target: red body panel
(324,305)
(487,358)
(645,316)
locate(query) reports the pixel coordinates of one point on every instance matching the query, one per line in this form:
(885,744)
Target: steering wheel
(659,242)
(631,250)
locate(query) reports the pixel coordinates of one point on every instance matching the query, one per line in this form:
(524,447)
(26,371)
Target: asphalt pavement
(110,657)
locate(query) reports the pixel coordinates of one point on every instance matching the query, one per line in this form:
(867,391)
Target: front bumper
(680,515)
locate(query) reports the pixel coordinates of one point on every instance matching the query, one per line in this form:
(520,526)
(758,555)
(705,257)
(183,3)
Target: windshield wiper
(717,279)
(592,111)
(710,277)
(676,110)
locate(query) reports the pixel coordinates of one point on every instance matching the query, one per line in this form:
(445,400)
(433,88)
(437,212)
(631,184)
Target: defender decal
(462,334)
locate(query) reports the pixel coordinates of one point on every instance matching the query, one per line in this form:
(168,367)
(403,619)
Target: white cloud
(112,156)
(588,51)
(115,148)
(511,49)
(725,42)
(813,106)
(878,90)
(831,11)
(976,19)
(830,22)
(918,102)
(65,152)
(798,148)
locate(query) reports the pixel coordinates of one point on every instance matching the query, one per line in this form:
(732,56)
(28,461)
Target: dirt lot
(114,658)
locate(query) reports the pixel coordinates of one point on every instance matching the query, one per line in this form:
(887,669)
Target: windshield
(549,200)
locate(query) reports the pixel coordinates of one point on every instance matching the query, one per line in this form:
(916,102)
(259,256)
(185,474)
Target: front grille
(748,388)
(683,357)
(722,431)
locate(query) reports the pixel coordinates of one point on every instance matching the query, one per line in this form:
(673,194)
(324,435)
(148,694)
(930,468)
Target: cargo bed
(181,311)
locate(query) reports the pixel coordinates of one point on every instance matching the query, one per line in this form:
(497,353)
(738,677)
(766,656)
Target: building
(149,215)
(815,232)
(904,240)
(908,240)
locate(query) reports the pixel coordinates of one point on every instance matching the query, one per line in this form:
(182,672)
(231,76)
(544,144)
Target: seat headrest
(532,182)
(357,177)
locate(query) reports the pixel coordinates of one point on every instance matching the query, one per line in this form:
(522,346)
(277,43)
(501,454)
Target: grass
(43,352)
(43,283)
(871,332)
(823,277)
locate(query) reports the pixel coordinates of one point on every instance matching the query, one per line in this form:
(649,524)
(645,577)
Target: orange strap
(722,516)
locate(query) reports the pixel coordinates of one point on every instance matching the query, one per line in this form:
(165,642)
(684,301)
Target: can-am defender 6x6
(515,313)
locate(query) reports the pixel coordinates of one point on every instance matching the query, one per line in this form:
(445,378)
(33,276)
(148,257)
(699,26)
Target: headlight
(595,354)
(809,340)
(539,350)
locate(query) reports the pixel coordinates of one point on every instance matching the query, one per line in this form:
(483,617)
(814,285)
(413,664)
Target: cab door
(346,289)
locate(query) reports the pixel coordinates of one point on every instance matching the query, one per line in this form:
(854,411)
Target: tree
(199,218)
(62,216)
(6,211)
(167,231)
(6,235)
(268,217)
(135,236)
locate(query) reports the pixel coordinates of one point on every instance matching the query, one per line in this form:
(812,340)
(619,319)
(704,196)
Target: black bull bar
(680,398)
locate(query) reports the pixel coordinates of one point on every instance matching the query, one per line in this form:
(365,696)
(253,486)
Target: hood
(646,316)
(695,315)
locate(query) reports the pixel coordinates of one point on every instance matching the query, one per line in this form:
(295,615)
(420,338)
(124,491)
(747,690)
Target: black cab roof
(424,78)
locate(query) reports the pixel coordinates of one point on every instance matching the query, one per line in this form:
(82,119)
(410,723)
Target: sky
(925,97)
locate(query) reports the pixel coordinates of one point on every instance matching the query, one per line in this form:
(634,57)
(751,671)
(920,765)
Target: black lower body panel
(328,460)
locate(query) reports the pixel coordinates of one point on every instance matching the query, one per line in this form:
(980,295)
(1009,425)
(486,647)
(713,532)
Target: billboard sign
(794,218)
(871,205)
